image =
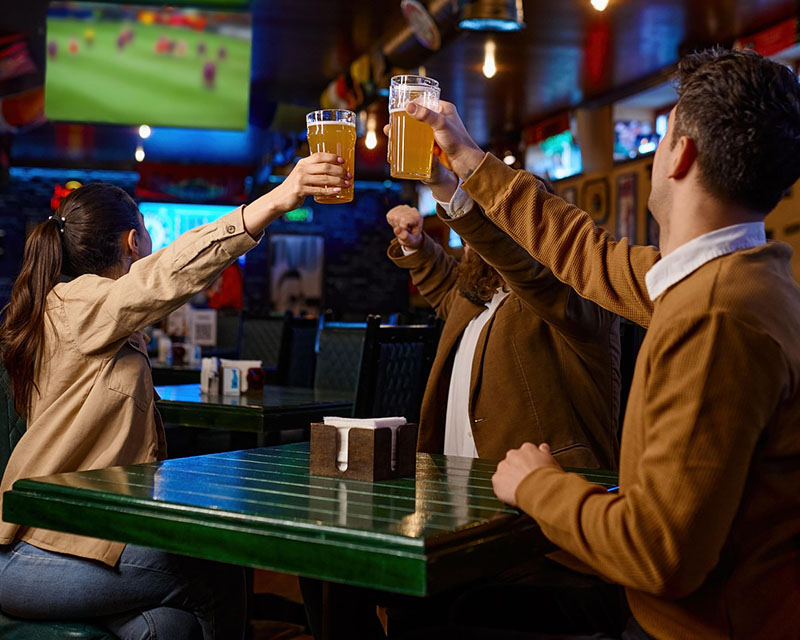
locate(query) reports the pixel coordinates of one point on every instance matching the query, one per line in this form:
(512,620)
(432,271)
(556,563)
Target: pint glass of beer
(411,141)
(334,131)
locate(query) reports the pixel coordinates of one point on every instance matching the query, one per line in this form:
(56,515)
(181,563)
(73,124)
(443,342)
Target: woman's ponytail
(22,331)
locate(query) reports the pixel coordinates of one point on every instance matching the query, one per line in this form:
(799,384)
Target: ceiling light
(489,65)
(139,155)
(509,159)
(600,5)
(371,139)
(145,131)
(491,15)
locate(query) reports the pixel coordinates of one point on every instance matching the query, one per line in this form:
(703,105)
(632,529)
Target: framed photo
(296,268)
(626,207)
(570,194)
(595,196)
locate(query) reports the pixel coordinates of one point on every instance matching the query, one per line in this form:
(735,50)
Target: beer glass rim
(344,116)
(414,80)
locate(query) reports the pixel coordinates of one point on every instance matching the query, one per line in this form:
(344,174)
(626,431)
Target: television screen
(167,220)
(128,64)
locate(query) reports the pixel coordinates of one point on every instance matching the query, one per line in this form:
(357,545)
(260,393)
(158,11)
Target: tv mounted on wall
(136,64)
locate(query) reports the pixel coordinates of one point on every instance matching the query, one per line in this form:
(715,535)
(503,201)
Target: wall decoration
(594,199)
(296,272)
(626,207)
(570,194)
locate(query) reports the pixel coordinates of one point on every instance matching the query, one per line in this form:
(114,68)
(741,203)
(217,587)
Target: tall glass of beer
(411,141)
(334,131)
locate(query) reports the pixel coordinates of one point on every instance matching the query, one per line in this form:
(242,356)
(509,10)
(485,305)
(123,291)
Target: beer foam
(340,122)
(403,109)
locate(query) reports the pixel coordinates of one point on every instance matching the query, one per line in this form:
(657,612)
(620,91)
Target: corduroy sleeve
(535,284)
(663,533)
(564,238)
(433,272)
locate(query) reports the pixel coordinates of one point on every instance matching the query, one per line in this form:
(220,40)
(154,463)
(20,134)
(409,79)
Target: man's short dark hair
(743,113)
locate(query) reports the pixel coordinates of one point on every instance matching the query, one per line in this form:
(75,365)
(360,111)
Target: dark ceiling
(569,53)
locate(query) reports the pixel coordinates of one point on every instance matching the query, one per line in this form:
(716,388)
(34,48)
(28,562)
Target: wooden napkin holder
(369,456)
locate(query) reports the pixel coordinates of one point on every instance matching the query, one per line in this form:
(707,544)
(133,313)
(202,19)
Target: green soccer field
(100,83)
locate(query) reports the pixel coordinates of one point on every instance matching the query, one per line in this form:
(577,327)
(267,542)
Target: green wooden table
(169,375)
(277,408)
(260,508)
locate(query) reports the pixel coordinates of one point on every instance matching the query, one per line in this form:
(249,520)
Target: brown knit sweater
(705,530)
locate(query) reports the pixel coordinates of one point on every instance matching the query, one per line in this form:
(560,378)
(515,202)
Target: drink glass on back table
(411,141)
(334,131)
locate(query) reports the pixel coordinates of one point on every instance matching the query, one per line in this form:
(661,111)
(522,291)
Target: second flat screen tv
(128,64)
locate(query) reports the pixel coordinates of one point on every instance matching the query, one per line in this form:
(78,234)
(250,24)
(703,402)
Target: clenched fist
(406,222)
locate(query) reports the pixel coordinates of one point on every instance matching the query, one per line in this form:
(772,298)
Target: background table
(276,408)
(169,375)
(260,508)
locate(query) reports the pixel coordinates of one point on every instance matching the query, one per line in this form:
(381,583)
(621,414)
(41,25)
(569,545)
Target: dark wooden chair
(339,353)
(395,364)
(261,340)
(12,429)
(297,356)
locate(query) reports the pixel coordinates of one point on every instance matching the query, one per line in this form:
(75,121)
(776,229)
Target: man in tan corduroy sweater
(704,532)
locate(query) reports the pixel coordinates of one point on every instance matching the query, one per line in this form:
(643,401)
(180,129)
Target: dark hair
(88,241)
(743,113)
(477,279)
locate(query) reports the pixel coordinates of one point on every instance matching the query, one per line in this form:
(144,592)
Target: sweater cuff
(230,227)
(537,483)
(464,225)
(490,182)
(415,259)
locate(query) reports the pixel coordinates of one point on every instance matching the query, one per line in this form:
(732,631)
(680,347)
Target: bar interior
(383,319)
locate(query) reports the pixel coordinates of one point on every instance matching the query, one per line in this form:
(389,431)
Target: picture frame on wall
(296,272)
(595,199)
(626,207)
(570,194)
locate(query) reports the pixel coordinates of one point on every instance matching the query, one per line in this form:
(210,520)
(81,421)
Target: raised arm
(433,272)
(535,284)
(102,311)
(557,234)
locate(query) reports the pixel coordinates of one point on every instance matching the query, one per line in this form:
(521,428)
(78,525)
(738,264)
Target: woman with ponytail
(72,344)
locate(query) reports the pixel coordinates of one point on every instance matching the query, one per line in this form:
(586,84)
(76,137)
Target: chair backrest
(395,364)
(12,427)
(296,358)
(229,332)
(261,339)
(339,353)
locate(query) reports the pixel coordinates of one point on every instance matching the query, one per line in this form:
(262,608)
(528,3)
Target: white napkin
(343,425)
(209,375)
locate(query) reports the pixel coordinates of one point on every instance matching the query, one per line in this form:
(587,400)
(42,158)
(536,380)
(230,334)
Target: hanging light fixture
(371,139)
(491,15)
(489,64)
(600,5)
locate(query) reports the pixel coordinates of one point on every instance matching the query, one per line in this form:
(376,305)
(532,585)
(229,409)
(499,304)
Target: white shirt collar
(694,254)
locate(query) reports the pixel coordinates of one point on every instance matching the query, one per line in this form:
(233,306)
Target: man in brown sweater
(704,532)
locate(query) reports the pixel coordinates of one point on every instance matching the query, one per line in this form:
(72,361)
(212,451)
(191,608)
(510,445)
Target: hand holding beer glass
(411,141)
(334,131)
